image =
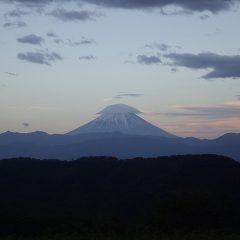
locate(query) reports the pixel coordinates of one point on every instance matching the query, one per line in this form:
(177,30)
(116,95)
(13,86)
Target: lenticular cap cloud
(119,108)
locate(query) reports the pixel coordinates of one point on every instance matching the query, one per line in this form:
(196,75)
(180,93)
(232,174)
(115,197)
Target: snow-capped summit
(121,118)
(119,108)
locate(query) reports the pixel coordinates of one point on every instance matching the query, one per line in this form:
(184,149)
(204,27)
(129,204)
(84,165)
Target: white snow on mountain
(119,108)
(121,118)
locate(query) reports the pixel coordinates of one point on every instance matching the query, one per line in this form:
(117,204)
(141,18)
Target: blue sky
(177,61)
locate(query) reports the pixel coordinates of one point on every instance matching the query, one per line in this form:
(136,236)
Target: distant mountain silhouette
(118,132)
(60,146)
(121,118)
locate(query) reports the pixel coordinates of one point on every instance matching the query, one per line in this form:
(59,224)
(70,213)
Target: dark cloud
(86,41)
(81,42)
(54,37)
(174,70)
(125,94)
(213,6)
(17,13)
(31,39)
(148,60)
(39,57)
(160,46)
(192,5)
(88,58)
(204,17)
(74,15)
(51,35)
(11,73)
(238,97)
(17,24)
(223,66)
(25,124)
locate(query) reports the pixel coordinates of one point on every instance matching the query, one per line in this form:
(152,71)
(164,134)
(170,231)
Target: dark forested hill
(179,192)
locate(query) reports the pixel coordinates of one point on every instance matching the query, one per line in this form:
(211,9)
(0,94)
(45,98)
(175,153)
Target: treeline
(192,193)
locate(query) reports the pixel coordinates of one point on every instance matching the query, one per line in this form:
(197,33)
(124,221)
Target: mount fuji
(121,118)
(118,132)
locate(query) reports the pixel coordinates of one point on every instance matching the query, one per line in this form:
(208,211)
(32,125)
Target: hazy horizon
(64,61)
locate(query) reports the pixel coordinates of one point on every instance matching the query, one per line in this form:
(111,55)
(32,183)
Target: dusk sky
(177,61)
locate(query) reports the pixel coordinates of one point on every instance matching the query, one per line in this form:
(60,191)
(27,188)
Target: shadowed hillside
(179,193)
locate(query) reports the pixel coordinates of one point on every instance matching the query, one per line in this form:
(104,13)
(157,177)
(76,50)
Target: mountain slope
(121,118)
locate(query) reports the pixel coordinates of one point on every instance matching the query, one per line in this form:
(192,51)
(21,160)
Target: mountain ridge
(65,147)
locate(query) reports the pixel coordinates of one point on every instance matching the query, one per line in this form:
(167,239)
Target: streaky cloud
(122,95)
(159,46)
(73,15)
(217,111)
(11,74)
(81,42)
(88,58)
(148,60)
(18,24)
